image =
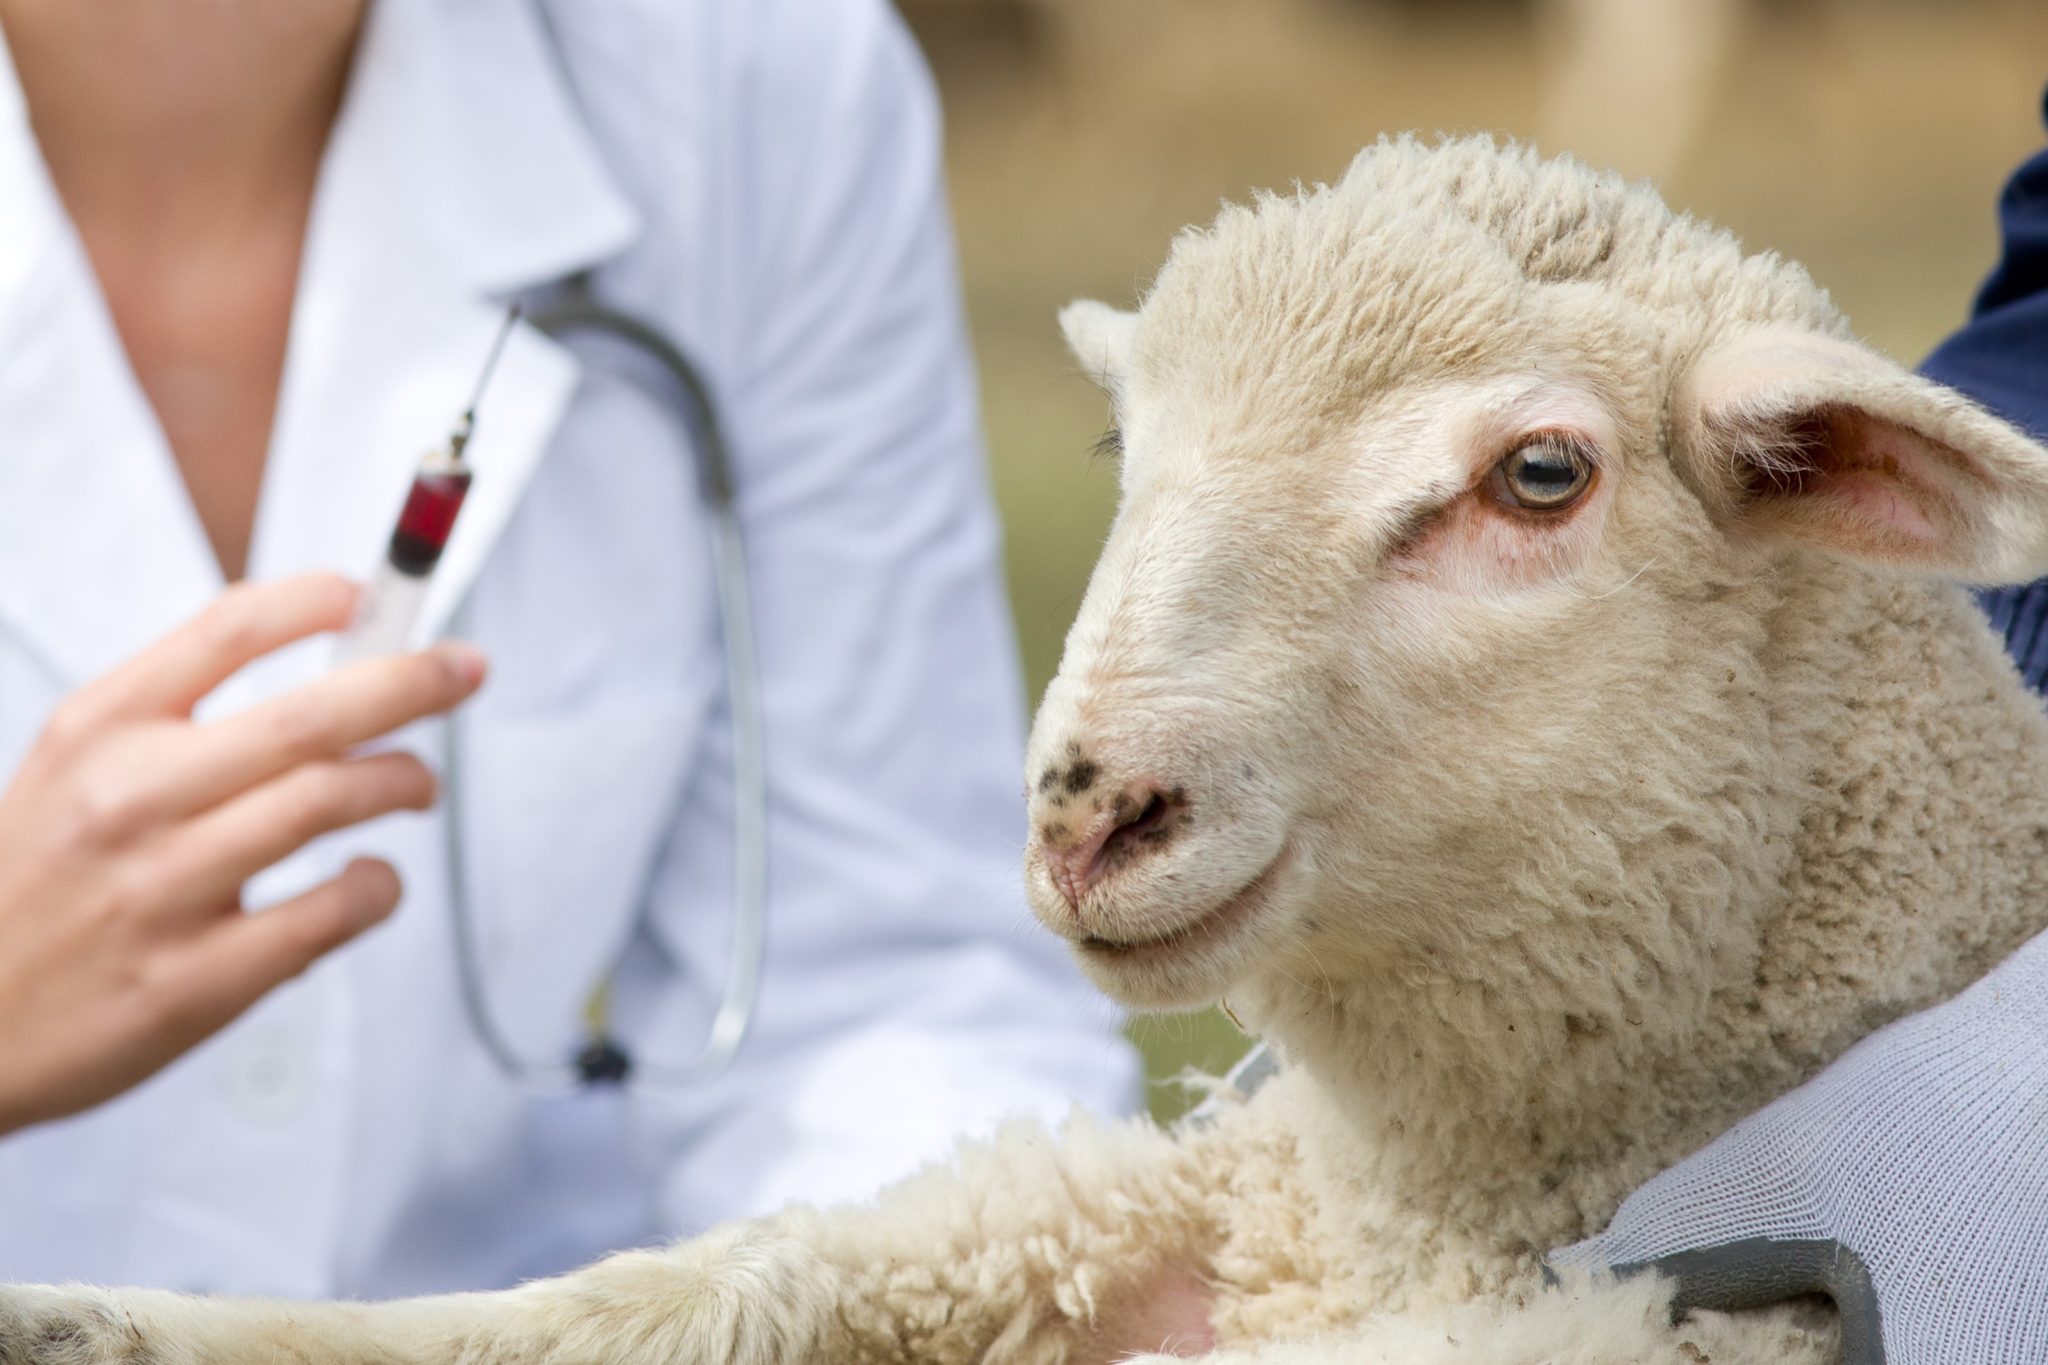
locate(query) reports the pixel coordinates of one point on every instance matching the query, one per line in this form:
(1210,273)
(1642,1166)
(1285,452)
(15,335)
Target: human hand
(129,829)
(1908,1182)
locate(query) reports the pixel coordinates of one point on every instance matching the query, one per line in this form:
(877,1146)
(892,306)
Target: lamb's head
(1431,635)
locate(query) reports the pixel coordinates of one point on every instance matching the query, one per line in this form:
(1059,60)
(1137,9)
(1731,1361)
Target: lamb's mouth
(1219,922)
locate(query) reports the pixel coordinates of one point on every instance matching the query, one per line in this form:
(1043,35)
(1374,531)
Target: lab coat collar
(459,174)
(487,133)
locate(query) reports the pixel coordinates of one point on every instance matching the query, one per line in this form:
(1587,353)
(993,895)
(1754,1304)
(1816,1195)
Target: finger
(209,857)
(322,720)
(234,965)
(243,624)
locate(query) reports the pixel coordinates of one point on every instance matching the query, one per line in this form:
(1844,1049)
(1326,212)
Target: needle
(465,428)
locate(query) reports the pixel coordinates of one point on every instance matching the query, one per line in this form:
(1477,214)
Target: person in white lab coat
(232,319)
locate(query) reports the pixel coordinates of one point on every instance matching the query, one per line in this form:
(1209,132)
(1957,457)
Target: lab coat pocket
(565,814)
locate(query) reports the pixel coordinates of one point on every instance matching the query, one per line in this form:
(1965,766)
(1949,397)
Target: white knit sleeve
(1924,1150)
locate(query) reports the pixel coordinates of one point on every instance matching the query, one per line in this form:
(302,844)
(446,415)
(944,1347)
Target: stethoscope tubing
(605,1059)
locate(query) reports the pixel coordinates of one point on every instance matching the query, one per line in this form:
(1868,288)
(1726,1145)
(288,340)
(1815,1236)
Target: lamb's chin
(1195,963)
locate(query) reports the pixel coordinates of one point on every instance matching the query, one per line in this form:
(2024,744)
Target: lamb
(1526,679)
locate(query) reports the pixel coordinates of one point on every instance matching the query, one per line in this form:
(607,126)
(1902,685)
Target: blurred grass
(1868,139)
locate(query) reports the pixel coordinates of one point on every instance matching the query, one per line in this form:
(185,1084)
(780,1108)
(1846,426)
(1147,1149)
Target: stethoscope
(573,310)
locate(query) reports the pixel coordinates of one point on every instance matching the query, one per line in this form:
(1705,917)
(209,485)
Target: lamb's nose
(1080,851)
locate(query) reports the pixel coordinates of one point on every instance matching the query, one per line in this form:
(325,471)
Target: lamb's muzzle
(1155,851)
(1083,846)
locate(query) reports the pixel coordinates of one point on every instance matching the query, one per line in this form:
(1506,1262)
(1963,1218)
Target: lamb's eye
(1543,475)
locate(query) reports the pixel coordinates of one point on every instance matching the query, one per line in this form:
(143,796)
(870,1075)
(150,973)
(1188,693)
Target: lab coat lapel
(423,226)
(423,230)
(100,549)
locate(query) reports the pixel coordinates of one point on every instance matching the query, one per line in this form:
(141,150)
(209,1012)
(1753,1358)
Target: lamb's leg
(744,1294)
(1022,1250)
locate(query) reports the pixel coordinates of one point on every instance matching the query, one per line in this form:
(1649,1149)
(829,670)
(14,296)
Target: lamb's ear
(1100,338)
(1801,437)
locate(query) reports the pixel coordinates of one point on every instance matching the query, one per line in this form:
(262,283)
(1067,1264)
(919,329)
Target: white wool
(1542,848)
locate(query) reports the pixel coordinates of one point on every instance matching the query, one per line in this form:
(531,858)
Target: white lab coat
(760,177)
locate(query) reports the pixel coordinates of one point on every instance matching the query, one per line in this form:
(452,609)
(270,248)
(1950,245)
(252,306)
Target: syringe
(392,601)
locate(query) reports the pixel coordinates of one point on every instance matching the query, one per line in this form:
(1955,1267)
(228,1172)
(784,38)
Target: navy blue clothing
(2000,358)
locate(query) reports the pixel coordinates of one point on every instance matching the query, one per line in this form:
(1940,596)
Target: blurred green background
(1867,139)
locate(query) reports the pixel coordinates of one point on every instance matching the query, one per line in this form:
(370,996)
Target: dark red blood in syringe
(428,517)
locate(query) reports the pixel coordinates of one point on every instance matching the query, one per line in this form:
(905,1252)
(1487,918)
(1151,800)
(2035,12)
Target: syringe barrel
(384,619)
(427,519)
(392,600)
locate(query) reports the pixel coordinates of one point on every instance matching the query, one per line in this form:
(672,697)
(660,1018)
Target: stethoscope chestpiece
(603,1062)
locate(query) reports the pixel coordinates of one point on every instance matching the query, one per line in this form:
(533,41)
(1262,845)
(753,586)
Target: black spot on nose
(1081,777)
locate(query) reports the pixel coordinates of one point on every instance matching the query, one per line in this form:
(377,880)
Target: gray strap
(1757,1272)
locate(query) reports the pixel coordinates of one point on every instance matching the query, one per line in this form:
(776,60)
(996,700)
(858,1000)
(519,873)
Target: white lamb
(1519,680)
